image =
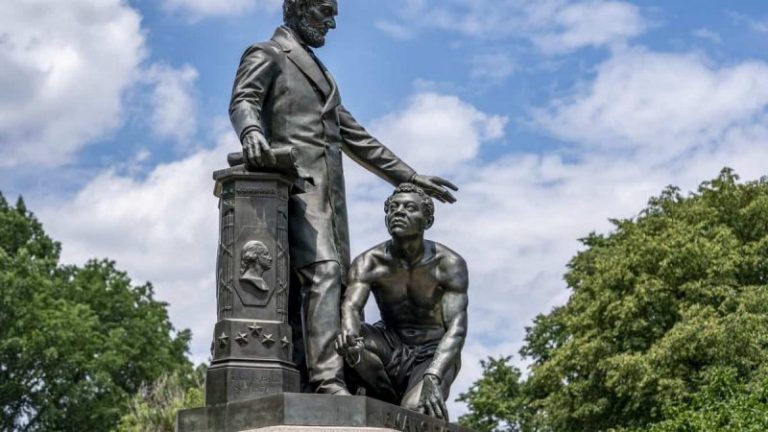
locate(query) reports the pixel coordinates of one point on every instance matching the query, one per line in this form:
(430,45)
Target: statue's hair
(426,201)
(291,10)
(251,252)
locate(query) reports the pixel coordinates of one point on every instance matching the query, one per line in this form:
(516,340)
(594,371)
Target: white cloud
(174,108)
(589,24)
(493,67)
(397,31)
(198,9)
(554,26)
(432,121)
(63,69)
(756,24)
(707,34)
(660,103)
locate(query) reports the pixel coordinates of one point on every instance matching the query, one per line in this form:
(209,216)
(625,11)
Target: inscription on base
(256,384)
(405,423)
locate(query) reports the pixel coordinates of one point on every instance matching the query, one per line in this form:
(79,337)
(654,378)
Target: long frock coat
(284,91)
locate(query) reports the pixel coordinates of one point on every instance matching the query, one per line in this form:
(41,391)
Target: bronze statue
(284,96)
(412,355)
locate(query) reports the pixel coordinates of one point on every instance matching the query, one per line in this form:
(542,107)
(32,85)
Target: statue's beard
(310,34)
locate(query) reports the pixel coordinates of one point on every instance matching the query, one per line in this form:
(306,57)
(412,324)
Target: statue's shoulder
(370,259)
(447,256)
(268,48)
(377,252)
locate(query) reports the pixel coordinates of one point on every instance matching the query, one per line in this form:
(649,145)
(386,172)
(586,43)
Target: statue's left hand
(431,400)
(437,187)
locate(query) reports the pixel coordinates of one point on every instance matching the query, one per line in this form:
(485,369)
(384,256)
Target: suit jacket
(282,90)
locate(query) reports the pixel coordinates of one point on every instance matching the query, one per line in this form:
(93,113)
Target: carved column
(252,338)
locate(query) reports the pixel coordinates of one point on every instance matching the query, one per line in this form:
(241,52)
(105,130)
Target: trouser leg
(295,317)
(370,366)
(321,300)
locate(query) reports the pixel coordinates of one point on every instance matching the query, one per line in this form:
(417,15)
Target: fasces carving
(226,259)
(282,264)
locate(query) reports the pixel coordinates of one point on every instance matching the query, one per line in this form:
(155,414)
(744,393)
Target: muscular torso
(409,296)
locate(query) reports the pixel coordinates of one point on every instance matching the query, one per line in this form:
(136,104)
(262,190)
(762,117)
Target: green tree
(724,403)
(75,342)
(496,401)
(154,407)
(666,328)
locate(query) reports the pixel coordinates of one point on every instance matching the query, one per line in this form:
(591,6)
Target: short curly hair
(427,205)
(251,252)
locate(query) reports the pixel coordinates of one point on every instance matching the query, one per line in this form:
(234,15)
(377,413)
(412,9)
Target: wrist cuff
(433,375)
(247,130)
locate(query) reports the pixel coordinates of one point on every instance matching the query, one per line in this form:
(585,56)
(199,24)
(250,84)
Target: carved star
(267,340)
(286,343)
(255,329)
(242,338)
(223,339)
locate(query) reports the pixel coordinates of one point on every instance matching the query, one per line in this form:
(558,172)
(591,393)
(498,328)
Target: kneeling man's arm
(355,297)
(455,303)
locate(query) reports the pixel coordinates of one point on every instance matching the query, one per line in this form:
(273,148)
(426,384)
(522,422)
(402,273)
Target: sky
(552,116)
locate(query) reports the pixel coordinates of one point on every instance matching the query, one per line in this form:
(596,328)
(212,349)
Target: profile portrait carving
(255,260)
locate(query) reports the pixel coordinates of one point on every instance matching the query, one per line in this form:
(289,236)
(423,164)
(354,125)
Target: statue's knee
(328,270)
(322,278)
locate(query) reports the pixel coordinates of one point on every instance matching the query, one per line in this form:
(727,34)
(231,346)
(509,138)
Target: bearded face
(313,21)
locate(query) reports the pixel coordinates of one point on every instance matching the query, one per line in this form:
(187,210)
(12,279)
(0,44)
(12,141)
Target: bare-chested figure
(412,355)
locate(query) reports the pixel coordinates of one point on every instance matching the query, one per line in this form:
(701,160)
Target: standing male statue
(413,354)
(283,96)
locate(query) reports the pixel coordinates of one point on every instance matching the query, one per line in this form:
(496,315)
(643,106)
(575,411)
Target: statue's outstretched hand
(437,187)
(256,150)
(431,400)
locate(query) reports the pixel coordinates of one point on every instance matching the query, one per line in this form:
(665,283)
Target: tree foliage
(666,328)
(75,342)
(495,400)
(154,407)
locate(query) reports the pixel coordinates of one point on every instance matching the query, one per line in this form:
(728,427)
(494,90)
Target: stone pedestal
(296,412)
(252,338)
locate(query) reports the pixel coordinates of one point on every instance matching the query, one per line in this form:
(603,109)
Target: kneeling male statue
(412,355)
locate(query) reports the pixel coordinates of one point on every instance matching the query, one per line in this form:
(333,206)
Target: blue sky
(551,115)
